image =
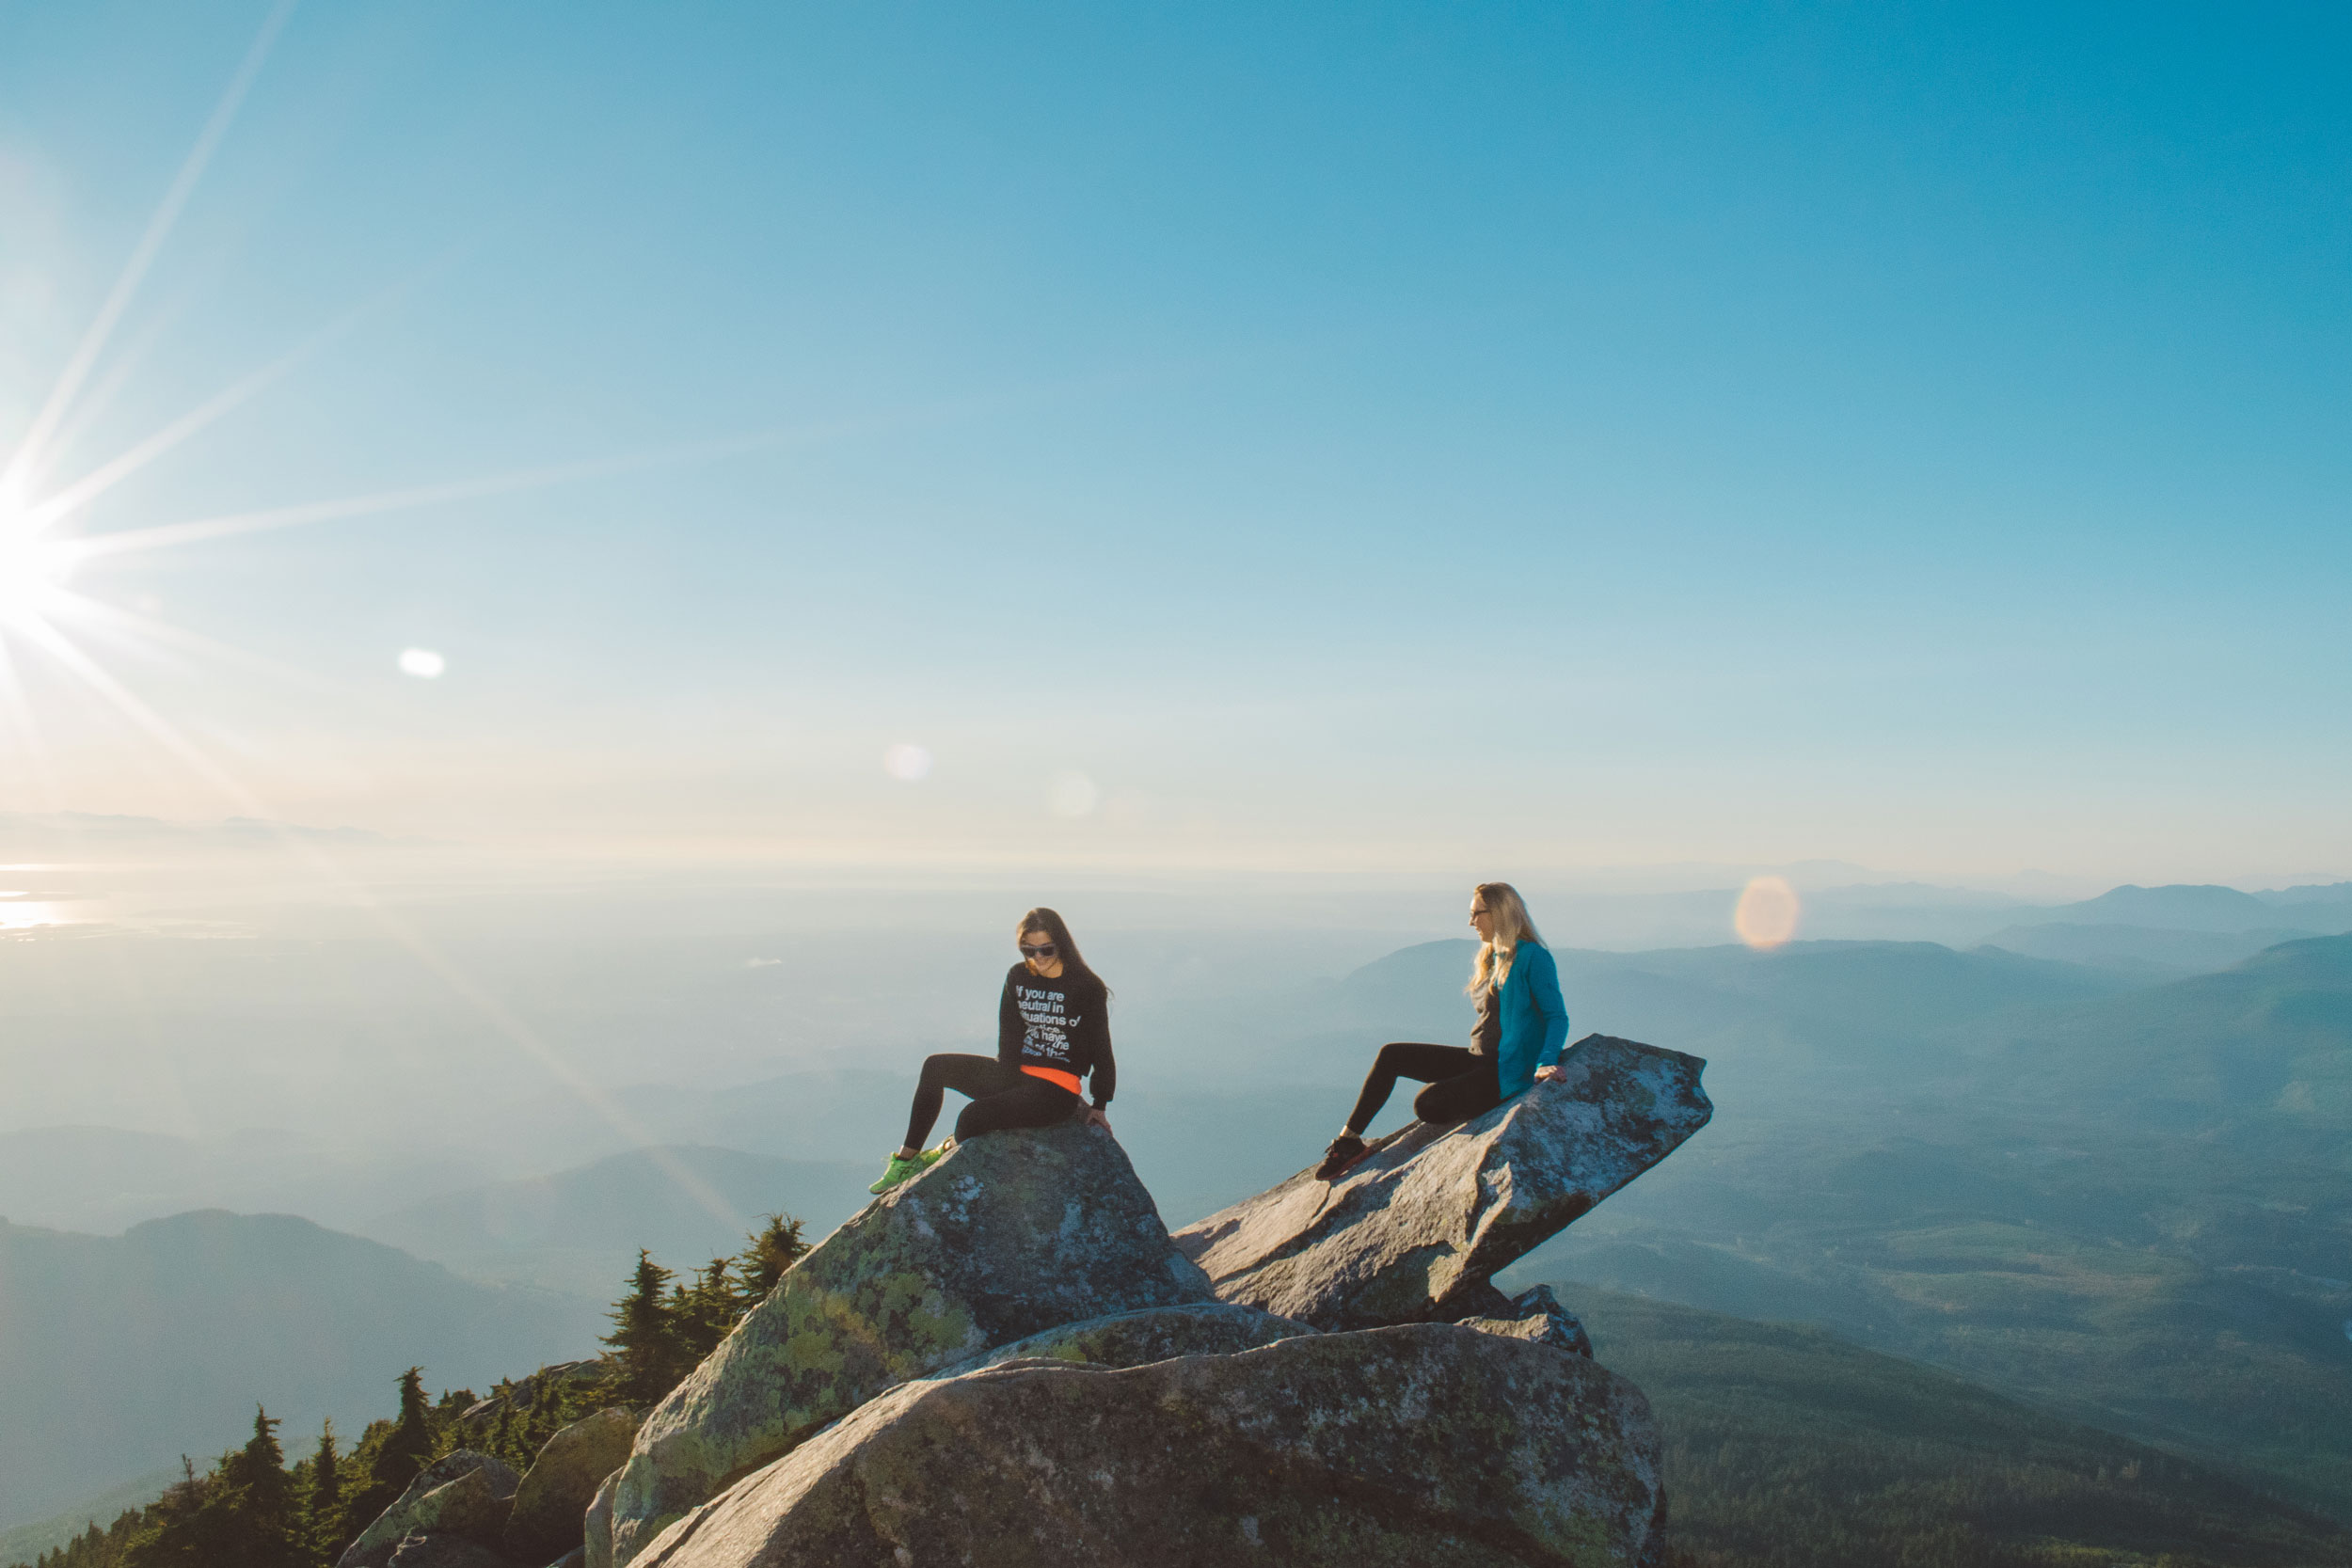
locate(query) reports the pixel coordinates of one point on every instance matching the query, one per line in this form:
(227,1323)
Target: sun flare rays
(50,619)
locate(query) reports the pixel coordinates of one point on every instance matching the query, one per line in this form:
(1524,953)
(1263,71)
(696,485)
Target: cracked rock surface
(1392,1448)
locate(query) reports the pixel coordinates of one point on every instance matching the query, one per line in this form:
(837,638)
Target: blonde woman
(1521,1024)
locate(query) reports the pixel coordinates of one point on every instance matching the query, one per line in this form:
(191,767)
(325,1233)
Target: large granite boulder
(1536,1314)
(596,1528)
(465,1494)
(1392,1448)
(1011,1234)
(1149,1334)
(1414,1233)
(563,1479)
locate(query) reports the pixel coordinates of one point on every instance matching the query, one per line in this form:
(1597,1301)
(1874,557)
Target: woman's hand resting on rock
(1552,1074)
(1095,1118)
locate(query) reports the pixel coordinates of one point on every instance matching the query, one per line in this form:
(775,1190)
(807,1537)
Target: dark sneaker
(1344,1151)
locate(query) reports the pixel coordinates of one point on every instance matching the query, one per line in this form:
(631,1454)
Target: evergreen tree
(774,1247)
(404,1452)
(705,1311)
(170,1534)
(388,1457)
(256,1497)
(648,1358)
(241,1513)
(322,1506)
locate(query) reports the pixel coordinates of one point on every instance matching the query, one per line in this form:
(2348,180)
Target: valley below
(2118,1193)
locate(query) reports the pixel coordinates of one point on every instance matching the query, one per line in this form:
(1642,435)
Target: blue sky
(1351,438)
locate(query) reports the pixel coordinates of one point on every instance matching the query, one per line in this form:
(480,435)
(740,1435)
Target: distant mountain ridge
(2190,906)
(119,1353)
(578,1231)
(2158,950)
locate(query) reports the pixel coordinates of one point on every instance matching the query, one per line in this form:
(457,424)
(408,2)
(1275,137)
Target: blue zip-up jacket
(1535,1018)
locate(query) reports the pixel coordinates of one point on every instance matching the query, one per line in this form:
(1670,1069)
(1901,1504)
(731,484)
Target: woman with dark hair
(1521,1024)
(1051,1033)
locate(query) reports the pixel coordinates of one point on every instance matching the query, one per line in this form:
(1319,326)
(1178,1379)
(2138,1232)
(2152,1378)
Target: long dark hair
(1051,923)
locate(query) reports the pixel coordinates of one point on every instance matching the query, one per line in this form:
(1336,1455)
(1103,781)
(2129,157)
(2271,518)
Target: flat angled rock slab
(1395,1447)
(1414,1233)
(1011,1234)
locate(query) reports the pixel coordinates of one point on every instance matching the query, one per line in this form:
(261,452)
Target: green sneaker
(900,1169)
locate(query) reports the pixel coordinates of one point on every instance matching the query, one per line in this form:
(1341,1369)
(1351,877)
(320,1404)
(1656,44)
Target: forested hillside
(1788,1448)
(2135,1210)
(262,1506)
(119,1353)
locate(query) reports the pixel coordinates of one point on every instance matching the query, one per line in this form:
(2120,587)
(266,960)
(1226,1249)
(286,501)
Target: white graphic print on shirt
(1046,1026)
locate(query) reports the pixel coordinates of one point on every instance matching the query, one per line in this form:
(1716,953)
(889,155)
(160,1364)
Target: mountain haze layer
(119,1353)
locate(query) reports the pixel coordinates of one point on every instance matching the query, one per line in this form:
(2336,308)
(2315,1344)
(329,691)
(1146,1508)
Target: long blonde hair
(1512,926)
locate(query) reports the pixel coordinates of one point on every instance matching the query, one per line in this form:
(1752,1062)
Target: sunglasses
(1046,951)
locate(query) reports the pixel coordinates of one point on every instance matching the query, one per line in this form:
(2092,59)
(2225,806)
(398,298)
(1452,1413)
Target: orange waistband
(1055,1075)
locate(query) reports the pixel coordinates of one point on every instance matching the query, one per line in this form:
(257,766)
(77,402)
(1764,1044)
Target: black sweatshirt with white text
(1060,1024)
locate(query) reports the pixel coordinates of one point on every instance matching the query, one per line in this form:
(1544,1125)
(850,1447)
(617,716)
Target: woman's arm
(1543,988)
(1105,1076)
(1009,1027)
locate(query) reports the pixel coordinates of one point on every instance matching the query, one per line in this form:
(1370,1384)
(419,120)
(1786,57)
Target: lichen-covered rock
(597,1526)
(1536,1314)
(553,1499)
(1149,1334)
(1413,1234)
(463,1494)
(444,1551)
(1392,1448)
(1011,1234)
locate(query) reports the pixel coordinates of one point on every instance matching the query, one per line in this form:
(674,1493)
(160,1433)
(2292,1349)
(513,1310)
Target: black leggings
(1002,1096)
(1461,1083)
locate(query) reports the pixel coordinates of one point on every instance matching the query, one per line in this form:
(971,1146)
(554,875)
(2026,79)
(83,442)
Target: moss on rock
(1011,1234)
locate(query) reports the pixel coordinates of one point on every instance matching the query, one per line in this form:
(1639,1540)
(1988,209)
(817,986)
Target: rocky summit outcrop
(555,1492)
(1009,1235)
(1392,1448)
(1415,1232)
(1535,1314)
(464,1495)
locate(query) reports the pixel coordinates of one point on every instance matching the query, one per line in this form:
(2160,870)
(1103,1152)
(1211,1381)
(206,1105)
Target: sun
(33,571)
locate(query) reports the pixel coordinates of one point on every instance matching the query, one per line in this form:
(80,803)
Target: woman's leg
(973,1075)
(1031,1103)
(1402,1059)
(1462,1096)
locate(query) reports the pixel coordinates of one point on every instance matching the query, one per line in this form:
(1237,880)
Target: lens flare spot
(907,762)
(423,664)
(1072,794)
(1767,913)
